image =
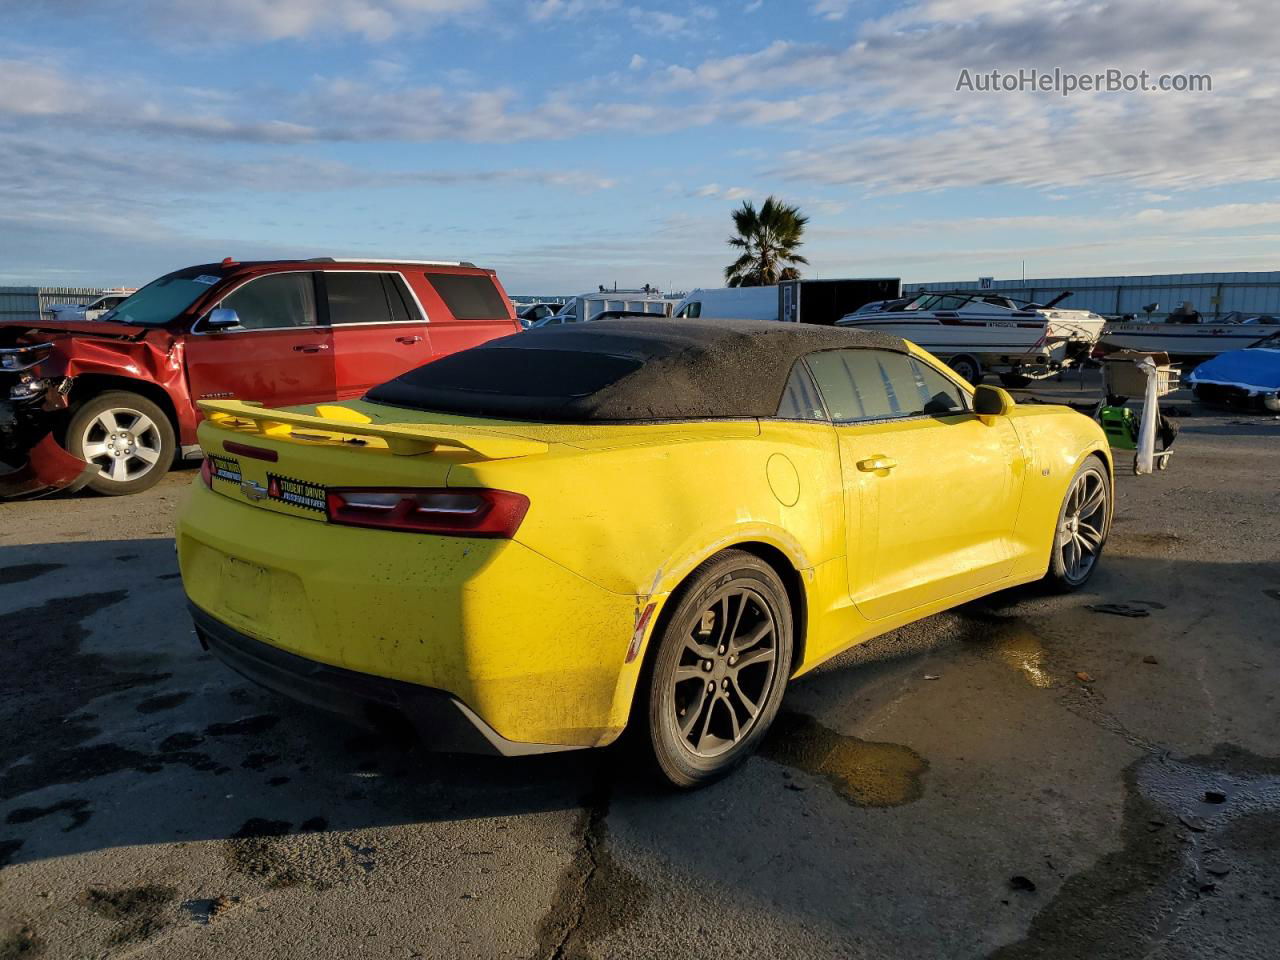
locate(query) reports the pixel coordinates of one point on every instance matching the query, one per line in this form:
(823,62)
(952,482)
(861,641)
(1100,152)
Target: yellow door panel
(938,499)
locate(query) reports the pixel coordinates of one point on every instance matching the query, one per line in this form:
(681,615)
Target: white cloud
(879,112)
(259,21)
(715,191)
(833,9)
(542,10)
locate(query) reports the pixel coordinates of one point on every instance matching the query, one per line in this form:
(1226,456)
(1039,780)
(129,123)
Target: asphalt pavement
(1022,777)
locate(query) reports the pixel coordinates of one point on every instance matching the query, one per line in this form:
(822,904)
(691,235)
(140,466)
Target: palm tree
(768,240)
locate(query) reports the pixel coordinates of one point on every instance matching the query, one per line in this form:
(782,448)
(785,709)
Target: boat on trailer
(977,332)
(1194,340)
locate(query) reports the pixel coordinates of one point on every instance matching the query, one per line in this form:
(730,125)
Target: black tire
(735,592)
(1014,380)
(1065,572)
(967,368)
(133,459)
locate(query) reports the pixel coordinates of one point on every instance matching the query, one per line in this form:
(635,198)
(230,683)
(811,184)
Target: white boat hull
(1184,339)
(1013,343)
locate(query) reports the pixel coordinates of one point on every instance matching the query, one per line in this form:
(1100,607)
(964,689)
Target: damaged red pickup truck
(111,403)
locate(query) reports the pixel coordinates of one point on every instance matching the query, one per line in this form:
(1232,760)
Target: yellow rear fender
(635,520)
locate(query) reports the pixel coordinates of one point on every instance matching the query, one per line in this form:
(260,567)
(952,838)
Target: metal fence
(1213,294)
(29,304)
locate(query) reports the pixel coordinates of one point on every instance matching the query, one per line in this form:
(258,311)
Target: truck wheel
(967,368)
(720,669)
(126,436)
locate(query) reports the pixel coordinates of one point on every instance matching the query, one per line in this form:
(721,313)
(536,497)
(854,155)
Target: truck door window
(275,301)
(358,297)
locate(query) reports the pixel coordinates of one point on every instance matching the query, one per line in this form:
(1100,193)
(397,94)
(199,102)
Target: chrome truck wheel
(127,437)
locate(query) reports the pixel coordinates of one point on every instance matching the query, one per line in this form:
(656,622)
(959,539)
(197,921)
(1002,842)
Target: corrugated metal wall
(26,304)
(1213,294)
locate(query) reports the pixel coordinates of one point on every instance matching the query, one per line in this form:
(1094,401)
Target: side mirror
(222,318)
(992,402)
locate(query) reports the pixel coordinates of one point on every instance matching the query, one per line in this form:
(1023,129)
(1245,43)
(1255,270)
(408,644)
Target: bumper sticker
(225,468)
(309,496)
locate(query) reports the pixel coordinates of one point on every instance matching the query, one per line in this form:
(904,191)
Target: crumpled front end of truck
(32,463)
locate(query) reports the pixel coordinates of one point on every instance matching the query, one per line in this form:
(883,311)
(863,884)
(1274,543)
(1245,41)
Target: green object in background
(1120,424)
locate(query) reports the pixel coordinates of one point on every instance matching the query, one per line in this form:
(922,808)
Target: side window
(399,300)
(469,296)
(860,385)
(356,297)
(692,310)
(941,395)
(800,400)
(851,384)
(276,300)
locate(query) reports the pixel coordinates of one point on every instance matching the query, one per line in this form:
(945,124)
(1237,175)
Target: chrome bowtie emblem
(254,491)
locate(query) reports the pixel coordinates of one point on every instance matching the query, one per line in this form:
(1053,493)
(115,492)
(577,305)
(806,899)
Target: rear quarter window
(469,296)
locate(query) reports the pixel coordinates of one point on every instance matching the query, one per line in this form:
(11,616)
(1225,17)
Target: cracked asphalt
(1023,777)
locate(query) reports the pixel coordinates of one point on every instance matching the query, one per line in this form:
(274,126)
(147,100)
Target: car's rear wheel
(720,669)
(1084,521)
(127,437)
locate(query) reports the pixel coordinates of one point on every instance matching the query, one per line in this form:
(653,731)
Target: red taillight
(460,512)
(206,472)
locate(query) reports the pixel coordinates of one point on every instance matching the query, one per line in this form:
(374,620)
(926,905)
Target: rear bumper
(535,651)
(441,721)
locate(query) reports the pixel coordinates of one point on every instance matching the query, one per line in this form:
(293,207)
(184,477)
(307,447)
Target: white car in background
(87,311)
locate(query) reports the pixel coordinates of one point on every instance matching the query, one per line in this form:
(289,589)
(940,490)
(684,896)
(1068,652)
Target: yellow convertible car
(537,543)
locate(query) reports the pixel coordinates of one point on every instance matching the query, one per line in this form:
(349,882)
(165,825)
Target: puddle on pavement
(864,772)
(1021,649)
(1179,853)
(1012,642)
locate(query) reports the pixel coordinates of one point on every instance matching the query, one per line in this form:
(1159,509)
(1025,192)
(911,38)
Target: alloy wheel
(727,668)
(1084,524)
(124,444)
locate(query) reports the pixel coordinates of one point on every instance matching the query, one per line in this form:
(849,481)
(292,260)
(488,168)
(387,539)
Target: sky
(570,143)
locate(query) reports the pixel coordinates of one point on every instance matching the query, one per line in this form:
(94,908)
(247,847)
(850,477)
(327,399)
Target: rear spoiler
(403,439)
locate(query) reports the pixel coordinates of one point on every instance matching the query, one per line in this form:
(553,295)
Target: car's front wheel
(1084,521)
(127,437)
(720,669)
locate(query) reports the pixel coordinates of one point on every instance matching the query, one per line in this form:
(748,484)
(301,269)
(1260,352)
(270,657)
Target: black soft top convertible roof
(624,371)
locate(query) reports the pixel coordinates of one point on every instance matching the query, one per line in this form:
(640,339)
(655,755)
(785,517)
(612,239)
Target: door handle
(408,341)
(875,464)
(310,347)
